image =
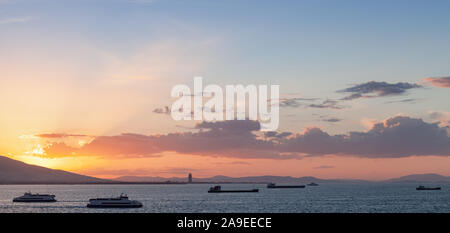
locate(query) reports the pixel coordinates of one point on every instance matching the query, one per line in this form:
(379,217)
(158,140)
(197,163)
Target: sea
(194,198)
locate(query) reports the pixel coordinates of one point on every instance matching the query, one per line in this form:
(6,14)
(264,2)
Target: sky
(364,86)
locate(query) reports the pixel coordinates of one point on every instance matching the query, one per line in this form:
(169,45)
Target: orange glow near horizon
(176,165)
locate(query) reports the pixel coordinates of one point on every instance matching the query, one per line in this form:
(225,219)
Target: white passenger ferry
(116,202)
(30,197)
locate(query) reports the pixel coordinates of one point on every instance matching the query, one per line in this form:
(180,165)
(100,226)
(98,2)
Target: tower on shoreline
(190,178)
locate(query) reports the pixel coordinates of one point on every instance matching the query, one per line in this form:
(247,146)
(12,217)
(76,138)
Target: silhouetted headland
(16,172)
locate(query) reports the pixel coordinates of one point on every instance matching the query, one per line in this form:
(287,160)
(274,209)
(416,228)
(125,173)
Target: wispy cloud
(59,135)
(331,104)
(331,119)
(15,20)
(410,100)
(293,102)
(296,102)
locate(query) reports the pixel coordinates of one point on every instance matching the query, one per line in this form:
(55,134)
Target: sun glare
(37,150)
(39,161)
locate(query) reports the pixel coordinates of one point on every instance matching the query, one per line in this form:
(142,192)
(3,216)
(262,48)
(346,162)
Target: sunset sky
(364,86)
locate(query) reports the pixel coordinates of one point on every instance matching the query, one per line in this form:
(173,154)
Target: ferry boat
(421,187)
(218,189)
(274,186)
(116,202)
(313,184)
(30,197)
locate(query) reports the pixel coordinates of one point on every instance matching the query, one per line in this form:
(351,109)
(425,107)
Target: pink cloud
(443,82)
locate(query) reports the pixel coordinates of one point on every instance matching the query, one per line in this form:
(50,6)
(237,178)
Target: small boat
(274,186)
(421,187)
(313,184)
(116,202)
(218,189)
(30,197)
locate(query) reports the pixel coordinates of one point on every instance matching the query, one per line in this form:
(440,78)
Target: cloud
(219,139)
(138,172)
(441,116)
(293,102)
(332,104)
(233,163)
(332,119)
(15,20)
(127,145)
(118,172)
(165,110)
(411,100)
(177,170)
(326,118)
(165,59)
(443,82)
(377,89)
(296,102)
(399,136)
(59,135)
(60,149)
(237,126)
(273,134)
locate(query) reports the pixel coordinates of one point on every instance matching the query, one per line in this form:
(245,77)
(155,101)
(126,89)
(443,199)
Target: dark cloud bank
(377,89)
(398,136)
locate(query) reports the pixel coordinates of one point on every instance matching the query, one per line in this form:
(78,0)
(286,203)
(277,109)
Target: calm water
(194,198)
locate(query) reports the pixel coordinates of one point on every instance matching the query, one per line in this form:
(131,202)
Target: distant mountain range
(16,172)
(417,178)
(224,179)
(421,178)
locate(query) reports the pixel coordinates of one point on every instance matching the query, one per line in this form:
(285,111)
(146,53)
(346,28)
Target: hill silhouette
(16,172)
(429,177)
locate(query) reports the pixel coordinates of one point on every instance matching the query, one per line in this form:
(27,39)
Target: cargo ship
(218,189)
(313,184)
(274,186)
(421,187)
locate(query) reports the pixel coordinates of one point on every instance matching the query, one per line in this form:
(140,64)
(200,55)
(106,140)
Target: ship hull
(114,206)
(34,200)
(428,188)
(234,191)
(286,187)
